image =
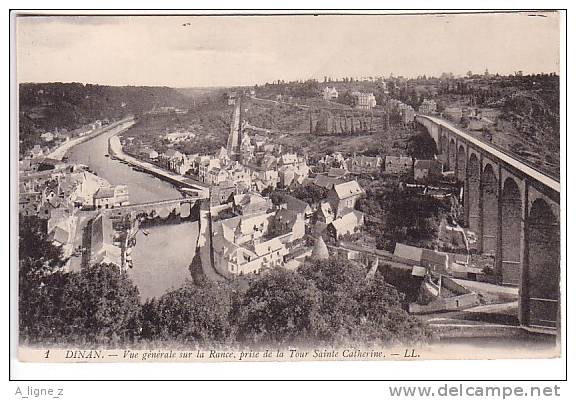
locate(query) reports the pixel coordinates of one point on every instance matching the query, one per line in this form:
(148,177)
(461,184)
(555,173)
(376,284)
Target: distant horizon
(226,51)
(320,81)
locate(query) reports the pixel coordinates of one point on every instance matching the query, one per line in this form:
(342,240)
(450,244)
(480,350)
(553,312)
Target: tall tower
(233,145)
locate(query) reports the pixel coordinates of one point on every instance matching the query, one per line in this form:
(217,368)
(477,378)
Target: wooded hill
(44,107)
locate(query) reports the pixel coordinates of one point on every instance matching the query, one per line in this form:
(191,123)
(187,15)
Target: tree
(99,304)
(38,279)
(421,146)
(33,244)
(338,281)
(357,310)
(192,314)
(311,194)
(383,320)
(413,218)
(280,307)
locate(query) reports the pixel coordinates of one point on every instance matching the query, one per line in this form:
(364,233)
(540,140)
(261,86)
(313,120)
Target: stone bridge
(515,212)
(185,207)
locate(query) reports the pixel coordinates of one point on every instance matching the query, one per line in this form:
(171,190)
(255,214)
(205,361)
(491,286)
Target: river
(162,257)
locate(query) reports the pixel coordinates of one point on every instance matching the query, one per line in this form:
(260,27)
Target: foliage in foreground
(324,302)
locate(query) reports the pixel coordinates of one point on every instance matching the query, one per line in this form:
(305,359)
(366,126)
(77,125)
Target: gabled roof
(171,153)
(104,193)
(249,198)
(287,217)
(348,189)
(434,256)
(268,247)
(408,252)
(398,159)
(337,172)
(427,164)
(326,181)
(294,204)
(347,222)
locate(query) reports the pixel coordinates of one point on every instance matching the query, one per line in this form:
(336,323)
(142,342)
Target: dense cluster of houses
(52,139)
(262,235)
(54,190)
(261,165)
(335,165)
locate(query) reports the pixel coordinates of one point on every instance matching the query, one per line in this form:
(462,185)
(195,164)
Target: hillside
(45,107)
(521,115)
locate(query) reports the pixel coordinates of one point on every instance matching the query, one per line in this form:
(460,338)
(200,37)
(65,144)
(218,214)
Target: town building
(251,203)
(104,242)
(325,181)
(222,193)
(343,197)
(398,165)
(330,93)
(427,170)
(337,172)
(299,206)
(453,113)
(47,136)
(231,98)
(289,222)
(177,137)
(364,164)
(241,245)
(150,154)
(348,224)
(427,107)
(364,101)
(407,114)
(216,176)
(324,214)
(431,260)
(36,151)
(110,197)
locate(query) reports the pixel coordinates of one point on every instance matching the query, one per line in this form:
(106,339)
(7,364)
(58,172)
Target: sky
(200,51)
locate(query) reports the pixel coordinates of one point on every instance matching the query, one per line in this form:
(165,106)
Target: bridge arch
(511,232)
(461,163)
(541,291)
(473,193)
(443,149)
(452,154)
(489,209)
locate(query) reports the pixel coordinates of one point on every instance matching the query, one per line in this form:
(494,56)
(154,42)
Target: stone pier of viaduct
(514,211)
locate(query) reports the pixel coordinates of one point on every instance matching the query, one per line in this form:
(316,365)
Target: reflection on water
(161,258)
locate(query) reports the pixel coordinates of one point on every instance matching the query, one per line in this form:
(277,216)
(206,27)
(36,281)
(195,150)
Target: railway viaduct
(514,211)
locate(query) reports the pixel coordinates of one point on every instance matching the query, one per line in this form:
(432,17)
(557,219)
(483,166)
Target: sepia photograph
(274,187)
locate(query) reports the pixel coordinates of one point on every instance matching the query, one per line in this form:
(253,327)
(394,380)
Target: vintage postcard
(313,186)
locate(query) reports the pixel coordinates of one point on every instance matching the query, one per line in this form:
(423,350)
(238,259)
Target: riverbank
(204,239)
(115,150)
(59,152)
